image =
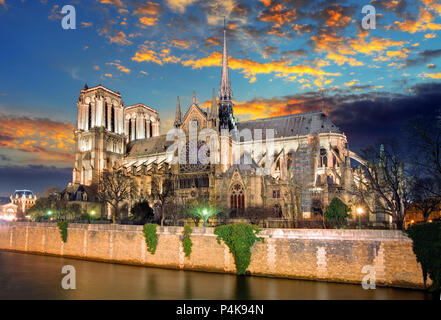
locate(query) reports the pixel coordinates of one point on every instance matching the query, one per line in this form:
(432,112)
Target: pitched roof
(148,146)
(292,125)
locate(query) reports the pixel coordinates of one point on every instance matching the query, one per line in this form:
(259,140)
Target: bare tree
(257,215)
(114,188)
(424,198)
(384,182)
(163,190)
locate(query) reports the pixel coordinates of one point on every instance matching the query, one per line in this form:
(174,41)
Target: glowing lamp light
(205,212)
(360,210)
(49,213)
(92,212)
(412,221)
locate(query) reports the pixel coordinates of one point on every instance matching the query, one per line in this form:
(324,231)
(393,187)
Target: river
(27,276)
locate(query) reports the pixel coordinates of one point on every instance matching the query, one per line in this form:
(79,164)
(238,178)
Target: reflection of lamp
(360,211)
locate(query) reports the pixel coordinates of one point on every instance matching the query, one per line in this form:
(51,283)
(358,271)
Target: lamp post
(360,211)
(92,214)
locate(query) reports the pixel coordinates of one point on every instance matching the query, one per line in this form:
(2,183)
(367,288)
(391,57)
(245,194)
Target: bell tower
(99,136)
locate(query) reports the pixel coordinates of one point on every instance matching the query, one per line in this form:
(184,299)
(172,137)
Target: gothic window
(276,194)
(89,125)
(237,198)
(106,108)
(330,180)
(334,161)
(112,120)
(151,130)
(277,210)
(319,180)
(323,158)
(278,165)
(130,129)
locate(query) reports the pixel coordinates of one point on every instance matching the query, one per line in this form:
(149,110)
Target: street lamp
(360,211)
(205,216)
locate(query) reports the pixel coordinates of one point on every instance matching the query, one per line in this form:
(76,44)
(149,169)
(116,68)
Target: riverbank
(313,254)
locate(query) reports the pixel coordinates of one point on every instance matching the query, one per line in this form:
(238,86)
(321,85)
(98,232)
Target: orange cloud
(336,18)
(278,15)
(251,68)
(179,5)
(118,65)
(422,23)
(48,140)
(148,21)
(431,75)
(181,44)
(86,24)
(146,54)
(115,3)
(148,8)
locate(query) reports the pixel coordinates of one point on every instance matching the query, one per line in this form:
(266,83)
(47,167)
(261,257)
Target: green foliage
(62,225)
(337,213)
(427,247)
(239,237)
(186,240)
(151,237)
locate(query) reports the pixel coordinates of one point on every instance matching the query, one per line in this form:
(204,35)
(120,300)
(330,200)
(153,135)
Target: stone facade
(293,164)
(331,255)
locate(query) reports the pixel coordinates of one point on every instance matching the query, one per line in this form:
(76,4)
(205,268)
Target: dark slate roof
(148,146)
(20,193)
(246,163)
(74,193)
(292,125)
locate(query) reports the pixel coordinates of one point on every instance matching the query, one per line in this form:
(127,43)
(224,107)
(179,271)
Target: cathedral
(293,164)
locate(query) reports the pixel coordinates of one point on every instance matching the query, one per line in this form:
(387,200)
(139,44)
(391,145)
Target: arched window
(151,129)
(319,180)
(323,158)
(130,129)
(89,125)
(112,120)
(334,161)
(106,108)
(237,198)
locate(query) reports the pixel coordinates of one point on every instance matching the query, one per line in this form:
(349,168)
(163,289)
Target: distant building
(414,216)
(21,201)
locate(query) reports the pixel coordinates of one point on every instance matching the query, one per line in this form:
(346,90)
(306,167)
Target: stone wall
(332,255)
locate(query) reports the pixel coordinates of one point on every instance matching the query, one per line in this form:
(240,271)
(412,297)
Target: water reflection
(25,276)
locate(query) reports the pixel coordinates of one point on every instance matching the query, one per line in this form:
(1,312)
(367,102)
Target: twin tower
(106,126)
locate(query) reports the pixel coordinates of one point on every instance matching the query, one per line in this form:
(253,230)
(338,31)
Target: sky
(282,55)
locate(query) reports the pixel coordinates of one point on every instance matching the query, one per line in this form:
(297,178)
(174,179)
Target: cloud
(181,44)
(148,21)
(34,177)
(115,3)
(278,15)
(2,2)
(118,37)
(251,68)
(148,53)
(148,8)
(86,24)
(55,13)
(422,58)
(118,65)
(431,75)
(47,140)
(423,22)
(179,5)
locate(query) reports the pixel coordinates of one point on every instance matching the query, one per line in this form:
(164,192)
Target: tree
(113,189)
(337,213)
(424,196)
(384,182)
(50,191)
(163,191)
(257,215)
(142,213)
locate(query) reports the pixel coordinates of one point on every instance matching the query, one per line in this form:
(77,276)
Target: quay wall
(314,254)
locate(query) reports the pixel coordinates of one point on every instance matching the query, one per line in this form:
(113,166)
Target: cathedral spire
(178,116)
(225,92)
(194,97)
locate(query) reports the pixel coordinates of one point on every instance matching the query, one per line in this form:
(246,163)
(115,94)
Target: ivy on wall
(62,225)
(186,240)
(239,237)
(151,237)
(427,247)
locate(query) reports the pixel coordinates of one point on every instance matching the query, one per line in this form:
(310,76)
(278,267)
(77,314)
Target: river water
(26,276)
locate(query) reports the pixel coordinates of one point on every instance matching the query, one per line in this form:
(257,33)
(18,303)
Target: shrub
(337,213)
(151,237)
(186,240)
(427,247)
(62,225)
(239,238)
